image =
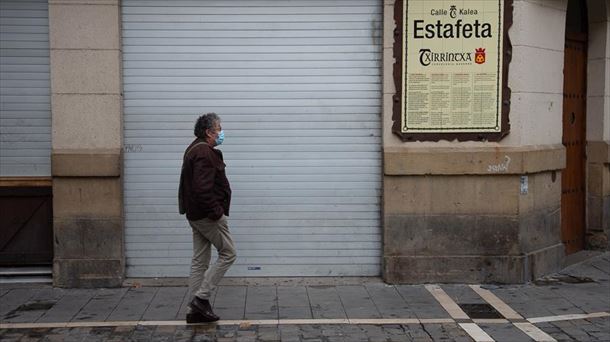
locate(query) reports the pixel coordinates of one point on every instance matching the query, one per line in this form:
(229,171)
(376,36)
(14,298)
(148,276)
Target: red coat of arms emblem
(479,56)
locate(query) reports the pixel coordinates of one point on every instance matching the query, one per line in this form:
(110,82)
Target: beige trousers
(204,278)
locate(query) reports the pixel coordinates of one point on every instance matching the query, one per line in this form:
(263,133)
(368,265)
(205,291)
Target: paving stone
(14,299)
(446,331)
(421,302)
(99,334)
(504,332)
(289,333)
(296,312)
(292,296)
(32,309)
(417,333)
(3,291)
(121,333)
(68,306)
(357,302)
(388,301)
(261,303)
(133,304)
(11,335)
(77,334)
(57,335)
(554,332)
(573,330)
(325,302)
(142,333)
(462,294)
(230,302)
(165,305)
(101,305)
(164,333)
(183,333)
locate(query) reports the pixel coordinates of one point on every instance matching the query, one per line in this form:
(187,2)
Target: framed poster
(451,69)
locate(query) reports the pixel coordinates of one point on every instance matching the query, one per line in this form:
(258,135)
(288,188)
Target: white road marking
(313,321)
(567,317)
(446,302)
(490,320)
(476,332)
(496,302)
(385,321)
(534,332)
(436,320)
(374,321)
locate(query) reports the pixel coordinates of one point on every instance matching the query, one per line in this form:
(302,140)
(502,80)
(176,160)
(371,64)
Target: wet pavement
(573,305)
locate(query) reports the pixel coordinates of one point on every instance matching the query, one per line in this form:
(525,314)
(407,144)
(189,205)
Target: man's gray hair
(206,121)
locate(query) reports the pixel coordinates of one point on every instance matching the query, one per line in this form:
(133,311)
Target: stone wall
(86,139)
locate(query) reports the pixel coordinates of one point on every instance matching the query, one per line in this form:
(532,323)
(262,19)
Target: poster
(452,66)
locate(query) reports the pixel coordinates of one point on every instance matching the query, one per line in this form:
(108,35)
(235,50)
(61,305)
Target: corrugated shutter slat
(25,95)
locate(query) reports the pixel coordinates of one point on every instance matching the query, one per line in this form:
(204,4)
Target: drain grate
(476,311)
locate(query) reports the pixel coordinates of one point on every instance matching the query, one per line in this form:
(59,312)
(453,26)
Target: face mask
(220,138)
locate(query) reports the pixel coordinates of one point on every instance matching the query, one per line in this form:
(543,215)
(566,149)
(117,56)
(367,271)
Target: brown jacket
(204,188)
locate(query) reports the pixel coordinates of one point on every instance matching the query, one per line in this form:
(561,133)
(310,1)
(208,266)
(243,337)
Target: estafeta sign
(451,74)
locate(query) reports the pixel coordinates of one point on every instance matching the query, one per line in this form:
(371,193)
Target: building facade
(99,99)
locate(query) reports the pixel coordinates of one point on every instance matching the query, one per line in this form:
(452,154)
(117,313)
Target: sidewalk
(573,305)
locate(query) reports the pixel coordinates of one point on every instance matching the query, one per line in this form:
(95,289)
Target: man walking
(205,196)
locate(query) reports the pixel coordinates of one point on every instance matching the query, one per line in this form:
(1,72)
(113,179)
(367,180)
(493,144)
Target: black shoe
(204,309)
(196,317)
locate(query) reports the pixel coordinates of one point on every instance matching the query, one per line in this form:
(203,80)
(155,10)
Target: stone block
(88,273)
(598,11)
(598,152)
(544,192)
(80,238)
(597,240)
(540,117)
(388,25)
(539,229)
(87,122)
(595,179)
(545,261)
(594,213)
(74,25)
(86,163)
(454,269)
(508,269)
(553,4)
(86,72)
(465,235)
(91,197)
(529,18)
(598,43)
(606,180)
(528,77)
(403,160)
(389,87)
(596,107)
(606,218)
(598,85)
(455,195)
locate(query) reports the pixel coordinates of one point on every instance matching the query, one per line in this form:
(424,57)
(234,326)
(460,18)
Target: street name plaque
(451,69)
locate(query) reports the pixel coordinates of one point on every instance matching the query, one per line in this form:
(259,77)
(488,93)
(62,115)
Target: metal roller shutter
(25,105)
(298,86)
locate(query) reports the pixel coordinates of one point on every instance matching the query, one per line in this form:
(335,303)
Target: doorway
(573,187)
